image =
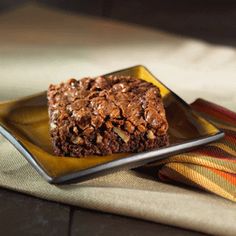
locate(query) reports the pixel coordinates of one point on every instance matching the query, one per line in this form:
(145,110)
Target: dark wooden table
(21,214)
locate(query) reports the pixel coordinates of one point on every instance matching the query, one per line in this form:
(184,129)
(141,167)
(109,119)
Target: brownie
(104,115)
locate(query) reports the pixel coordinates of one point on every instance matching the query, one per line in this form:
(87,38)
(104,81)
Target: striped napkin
(211,167)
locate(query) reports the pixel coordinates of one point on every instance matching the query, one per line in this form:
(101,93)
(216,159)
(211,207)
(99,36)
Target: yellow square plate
(25,124)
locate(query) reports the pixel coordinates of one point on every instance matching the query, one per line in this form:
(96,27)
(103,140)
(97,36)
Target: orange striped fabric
(211,167)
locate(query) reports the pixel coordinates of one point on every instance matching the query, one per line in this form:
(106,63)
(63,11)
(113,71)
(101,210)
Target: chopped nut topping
(150,135)
(99,138)
(75,130)
(122,134)
(77,140)
(53,126)
(69,108)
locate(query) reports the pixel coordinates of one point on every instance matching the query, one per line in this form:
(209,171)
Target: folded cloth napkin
(211,167)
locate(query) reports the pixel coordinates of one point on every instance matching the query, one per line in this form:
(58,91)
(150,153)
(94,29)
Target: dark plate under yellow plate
(24,123)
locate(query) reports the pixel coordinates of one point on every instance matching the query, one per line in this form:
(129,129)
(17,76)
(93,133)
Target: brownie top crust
(92,107)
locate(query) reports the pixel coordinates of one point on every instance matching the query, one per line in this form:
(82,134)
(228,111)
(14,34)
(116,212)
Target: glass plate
(25,124)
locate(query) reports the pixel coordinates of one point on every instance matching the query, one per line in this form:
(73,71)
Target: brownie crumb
(105,115)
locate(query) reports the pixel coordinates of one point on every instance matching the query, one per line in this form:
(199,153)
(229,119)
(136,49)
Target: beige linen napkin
(53,46)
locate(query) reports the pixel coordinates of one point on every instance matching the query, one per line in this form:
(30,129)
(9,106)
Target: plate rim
(133,160)
(144,157)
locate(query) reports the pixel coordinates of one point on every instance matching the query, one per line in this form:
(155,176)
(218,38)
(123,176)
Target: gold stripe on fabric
(204,181)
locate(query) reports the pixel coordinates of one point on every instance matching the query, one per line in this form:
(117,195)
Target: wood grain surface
(24,215)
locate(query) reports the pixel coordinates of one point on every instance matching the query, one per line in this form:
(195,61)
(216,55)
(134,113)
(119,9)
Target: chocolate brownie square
(104,115)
